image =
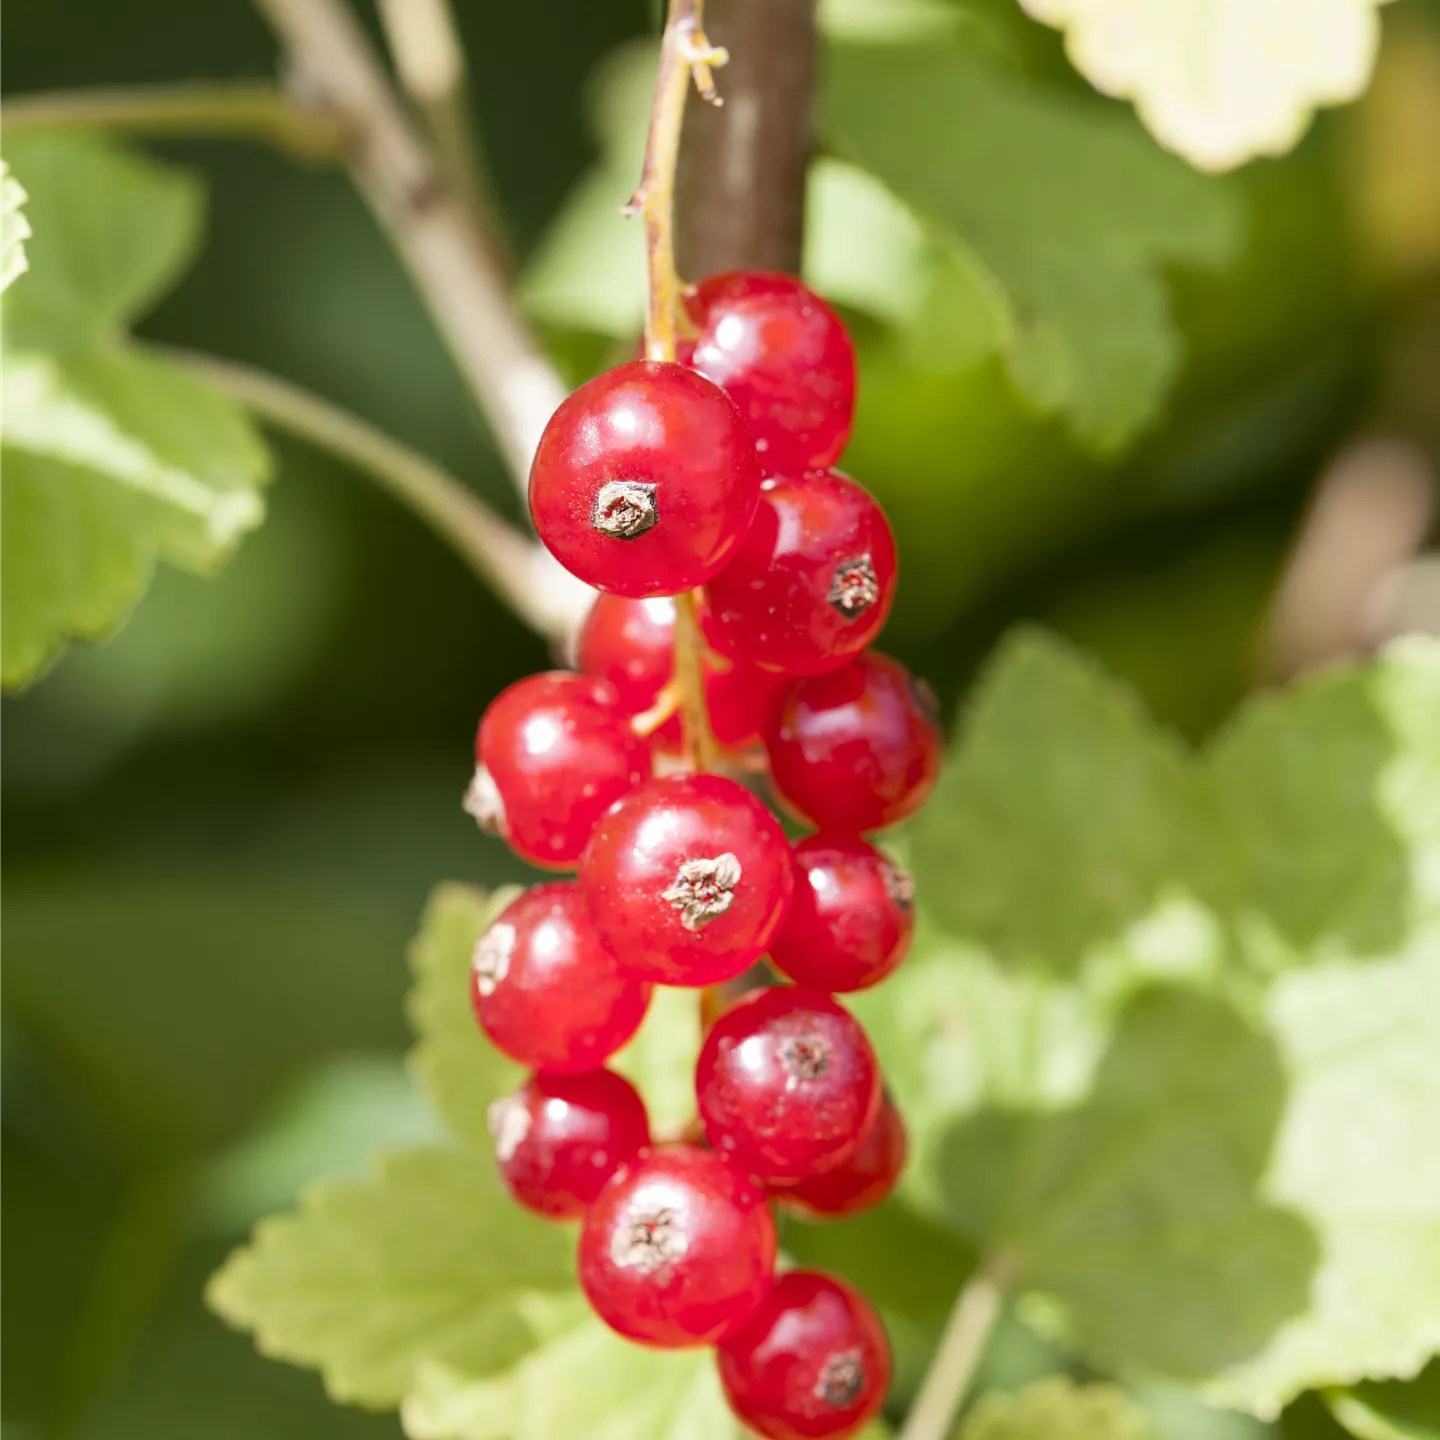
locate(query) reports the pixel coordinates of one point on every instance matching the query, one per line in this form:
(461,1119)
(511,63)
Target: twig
(684,52)
(976,1309)
(520,570)
(430,61)
(257,110)
(463,284)
(741,201)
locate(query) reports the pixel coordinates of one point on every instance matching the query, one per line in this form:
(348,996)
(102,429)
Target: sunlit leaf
(14,228)
(1221,81)
(1057,1409)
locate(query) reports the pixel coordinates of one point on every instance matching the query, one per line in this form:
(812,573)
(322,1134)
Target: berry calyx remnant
(687,879)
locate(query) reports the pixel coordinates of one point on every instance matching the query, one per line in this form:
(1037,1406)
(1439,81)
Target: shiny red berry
(740,698)
(687,879)
(559,1138)
(786,1084)
(645,480)
(783,355)
(812,584)
(554,752)
(677,1249)
(545,988)
(812,1364)
(630,643)
(851,918)
(860,1181)
(857,748)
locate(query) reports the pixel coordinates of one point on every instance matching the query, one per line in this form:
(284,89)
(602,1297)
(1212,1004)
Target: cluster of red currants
(650,481)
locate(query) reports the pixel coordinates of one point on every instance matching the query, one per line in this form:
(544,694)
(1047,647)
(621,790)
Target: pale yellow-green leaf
(1221,81)
(582,1383)
(452,1059)
(1057,1409)
(114,458)
(14,228)
(429,1260)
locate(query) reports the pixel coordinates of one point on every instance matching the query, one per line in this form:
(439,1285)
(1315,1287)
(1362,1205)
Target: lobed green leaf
(1073,211)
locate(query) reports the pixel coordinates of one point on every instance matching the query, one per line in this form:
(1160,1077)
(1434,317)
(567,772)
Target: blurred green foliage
(223,823)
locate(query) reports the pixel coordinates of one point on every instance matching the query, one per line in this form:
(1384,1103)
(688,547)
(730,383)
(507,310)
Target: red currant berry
(851,919)
(687,879)
(860,1181)
(856,748)
(645,480)
(677,1249)
(813,1363)
(812,584)
(786,1084)
(740,698)
(554,753)
(630,643)
(783,355)
(559,1138)
(545,988)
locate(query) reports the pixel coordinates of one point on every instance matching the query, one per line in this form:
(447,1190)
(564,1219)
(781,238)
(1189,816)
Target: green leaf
(1266,67)
(326,1126)
(1063,814)
(1331,800)
(1140,1211)
(14,228)
(1057,1409)
(589,269)
(1072,210)
(582,1381)
(114,458)
(1391,1409)
(460,1070)
(116,231)
(1342,779)
(430,1261)
(660,1060)
(1169,1041)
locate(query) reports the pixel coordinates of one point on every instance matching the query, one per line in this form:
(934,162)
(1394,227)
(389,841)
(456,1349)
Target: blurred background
(222,825)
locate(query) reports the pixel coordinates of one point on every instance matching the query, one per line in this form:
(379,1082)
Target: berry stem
(684,53)
(700,745)
(976,1309)
(520,571)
